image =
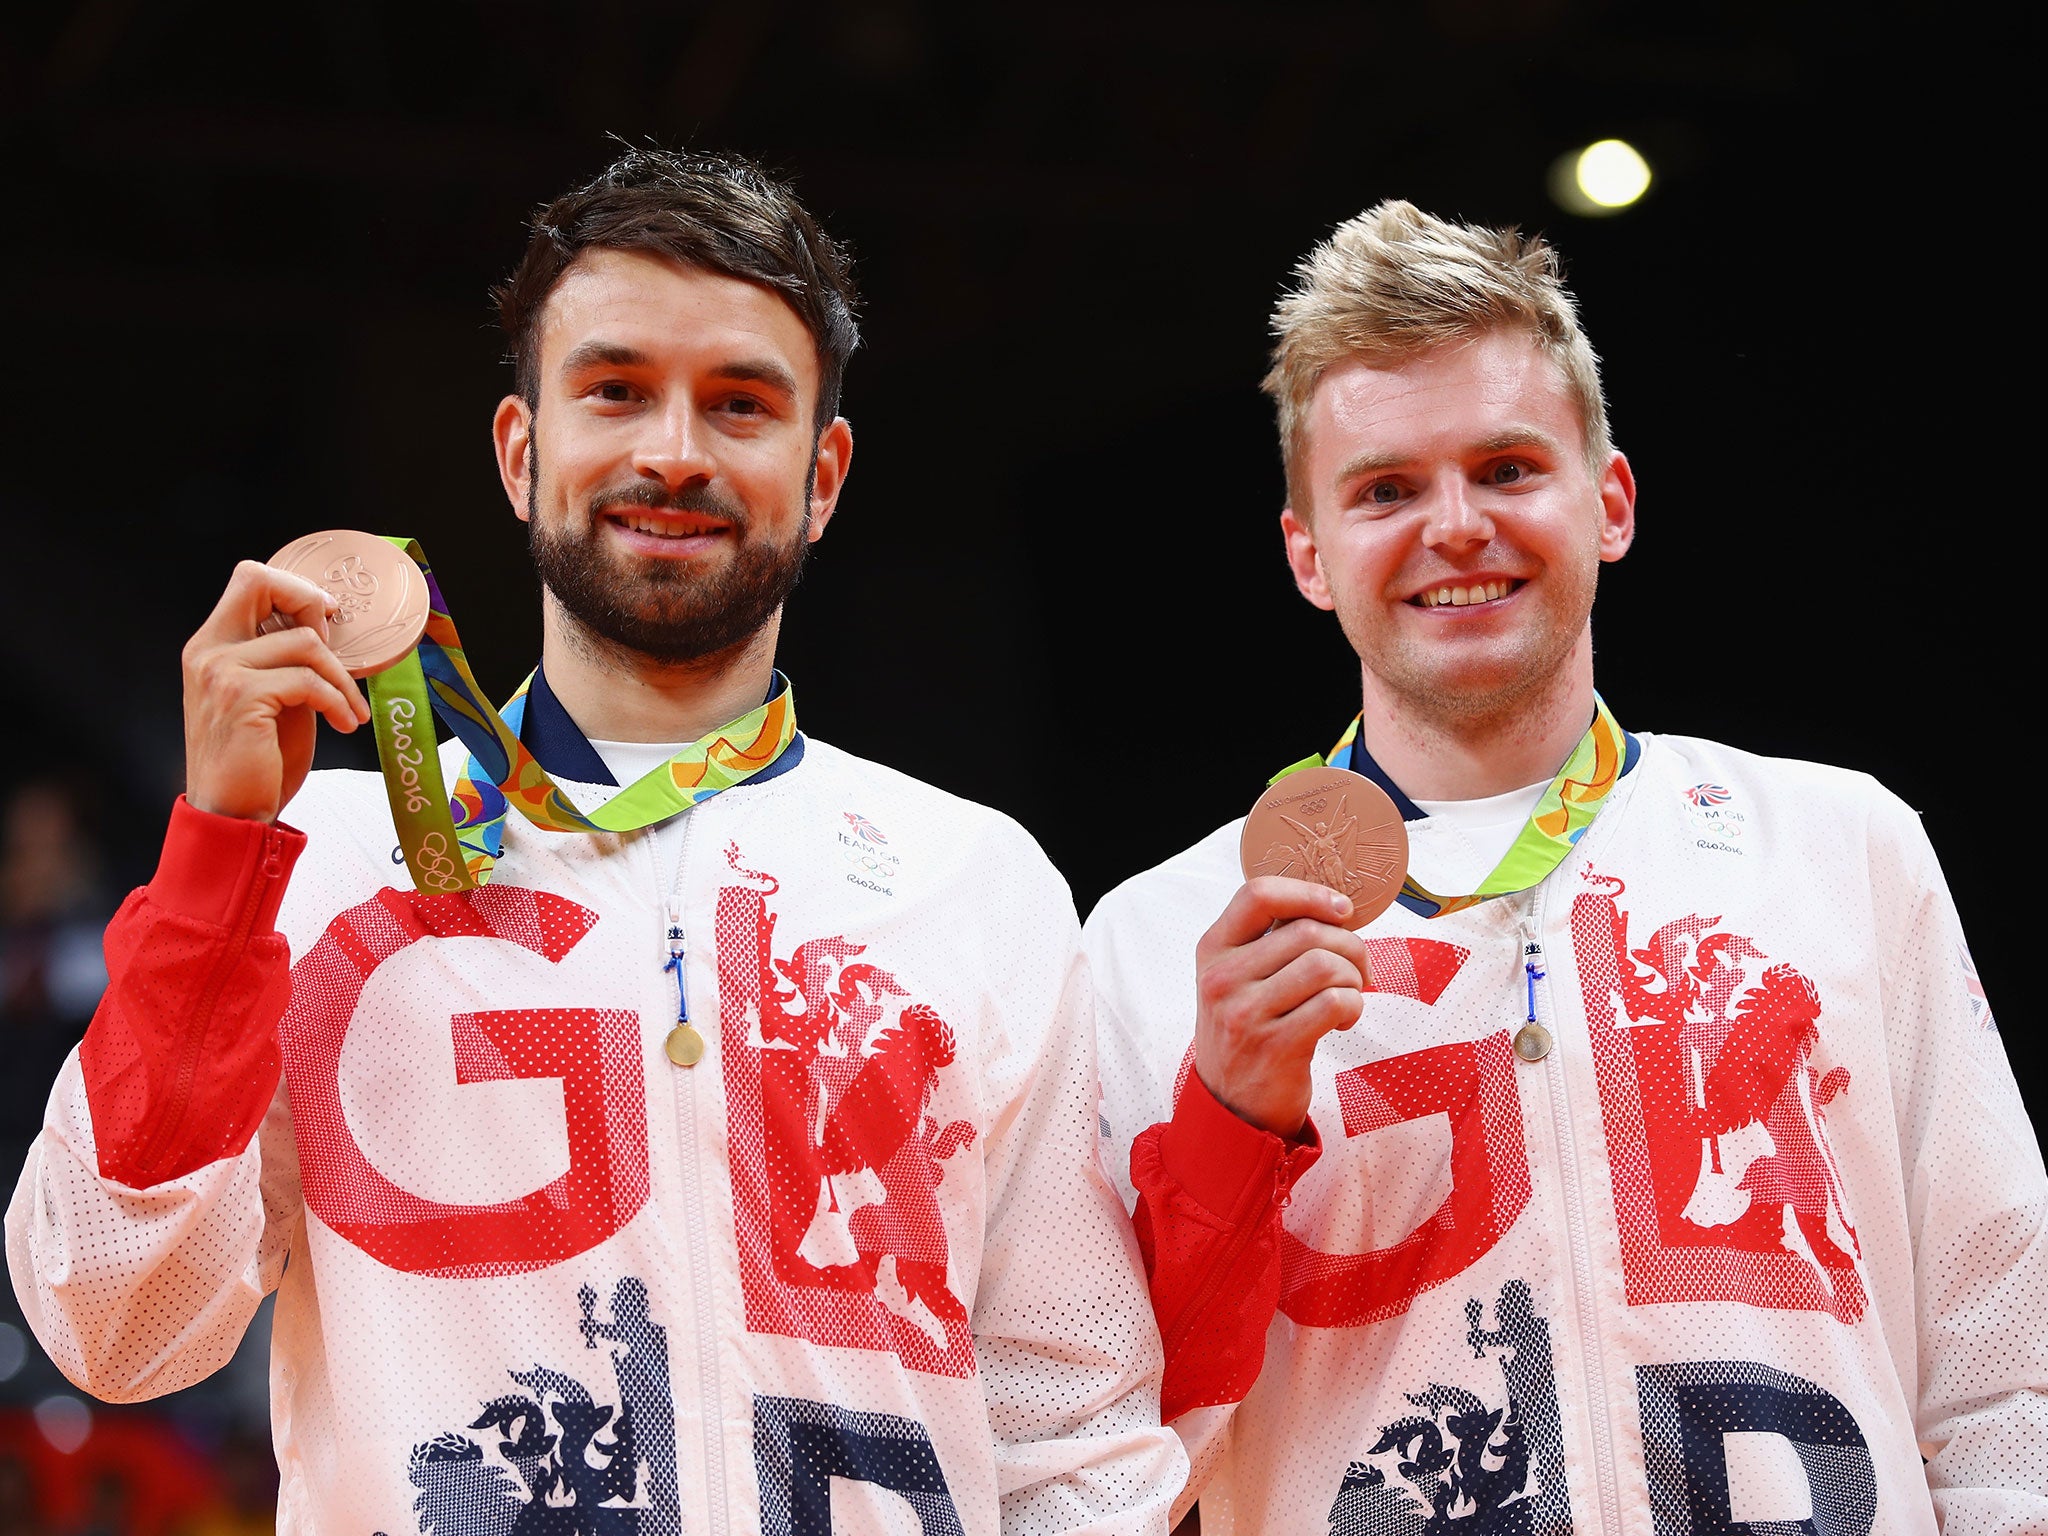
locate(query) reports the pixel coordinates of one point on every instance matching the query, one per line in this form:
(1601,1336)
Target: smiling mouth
(1468,596)
(667,527)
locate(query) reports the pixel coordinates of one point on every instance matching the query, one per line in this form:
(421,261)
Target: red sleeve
(1211,1188)
(181,1059)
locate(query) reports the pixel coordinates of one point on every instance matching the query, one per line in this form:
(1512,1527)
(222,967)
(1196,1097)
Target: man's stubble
(1490,685)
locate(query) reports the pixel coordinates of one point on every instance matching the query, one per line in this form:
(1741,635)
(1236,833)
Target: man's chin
(1465,688)
(671,612)
(653,574)
(678,641)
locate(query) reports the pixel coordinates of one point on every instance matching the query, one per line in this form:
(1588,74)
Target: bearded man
(1665,1172)
(730,1166)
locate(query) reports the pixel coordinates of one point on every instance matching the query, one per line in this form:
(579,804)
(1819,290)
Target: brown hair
(1396,282)
(720,213)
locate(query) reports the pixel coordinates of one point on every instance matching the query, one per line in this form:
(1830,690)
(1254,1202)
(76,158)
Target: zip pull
(1532,1040)
(1283,1173)
(675,963)
(684,1045)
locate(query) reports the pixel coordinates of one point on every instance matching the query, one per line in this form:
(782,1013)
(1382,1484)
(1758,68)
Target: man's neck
(614,694)
(1524,741)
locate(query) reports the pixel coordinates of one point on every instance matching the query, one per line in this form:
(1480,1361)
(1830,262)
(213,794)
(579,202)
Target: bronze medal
(1334,827)
(383,596)
(1532,1042)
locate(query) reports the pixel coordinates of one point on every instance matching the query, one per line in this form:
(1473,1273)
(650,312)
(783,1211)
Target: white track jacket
(859,1269)
(1765,1226)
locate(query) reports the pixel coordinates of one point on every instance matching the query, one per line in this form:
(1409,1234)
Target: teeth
(1465,597)
(660,529)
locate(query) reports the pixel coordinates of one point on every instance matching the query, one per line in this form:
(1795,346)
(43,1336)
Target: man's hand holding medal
(282,647)
(1324,852)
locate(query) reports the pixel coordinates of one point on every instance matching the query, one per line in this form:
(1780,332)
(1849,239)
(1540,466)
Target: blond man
(1654,1164)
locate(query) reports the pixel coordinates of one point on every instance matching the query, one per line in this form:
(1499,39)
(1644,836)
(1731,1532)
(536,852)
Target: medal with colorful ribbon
(417,670)
(1321,820)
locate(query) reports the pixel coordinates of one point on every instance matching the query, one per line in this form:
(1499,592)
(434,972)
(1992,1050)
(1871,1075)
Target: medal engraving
(1334,827)
(381,596)
(352,585)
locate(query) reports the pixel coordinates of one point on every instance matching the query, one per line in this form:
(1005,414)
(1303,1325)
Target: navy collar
(559,745)
(1362,762)
(555,740)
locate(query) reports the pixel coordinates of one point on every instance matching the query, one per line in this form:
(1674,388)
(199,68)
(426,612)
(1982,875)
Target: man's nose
(675,448)
(1451,520)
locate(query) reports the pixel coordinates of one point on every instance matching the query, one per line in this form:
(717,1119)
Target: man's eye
(616,393)
(1383,493)
(1508,474)
(741,405)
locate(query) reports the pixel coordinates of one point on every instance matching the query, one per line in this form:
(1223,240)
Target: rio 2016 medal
(381,592)
(1334,827)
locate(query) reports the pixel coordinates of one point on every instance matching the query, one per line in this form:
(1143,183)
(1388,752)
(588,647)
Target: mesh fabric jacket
(863,1256)
(1765,1224)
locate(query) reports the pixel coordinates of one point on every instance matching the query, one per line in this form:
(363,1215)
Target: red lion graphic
(831,1065)
(1693,1047)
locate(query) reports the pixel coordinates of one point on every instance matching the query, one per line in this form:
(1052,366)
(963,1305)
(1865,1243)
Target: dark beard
(665,611)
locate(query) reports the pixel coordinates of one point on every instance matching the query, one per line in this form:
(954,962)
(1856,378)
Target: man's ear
(1617,507)
(834,458)
(512,436)
(1303,560)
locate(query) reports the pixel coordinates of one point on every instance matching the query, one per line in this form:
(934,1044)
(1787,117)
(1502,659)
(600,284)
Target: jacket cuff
(1215,1157)
(212,865)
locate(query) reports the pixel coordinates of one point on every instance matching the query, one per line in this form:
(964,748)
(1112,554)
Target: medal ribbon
(1562,814)
(451,842)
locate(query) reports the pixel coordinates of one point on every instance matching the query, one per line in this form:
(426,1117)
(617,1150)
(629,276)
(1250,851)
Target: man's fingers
(1274,974)
(1246,1007)
(1330,1009)
(1266,900)
(253,594)
(302,647)
(1240,979)
(284,687)
(1296,983)
(1270,952)
(292,595)
(221,680)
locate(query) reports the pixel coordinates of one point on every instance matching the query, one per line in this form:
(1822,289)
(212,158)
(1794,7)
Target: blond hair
(1396,282)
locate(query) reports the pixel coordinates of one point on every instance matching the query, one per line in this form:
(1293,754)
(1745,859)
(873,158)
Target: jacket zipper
(1242,1230)
(1593,1371)
(697,1246)
(190,1049)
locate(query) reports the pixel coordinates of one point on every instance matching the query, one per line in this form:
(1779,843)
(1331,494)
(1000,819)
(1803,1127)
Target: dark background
(244,254)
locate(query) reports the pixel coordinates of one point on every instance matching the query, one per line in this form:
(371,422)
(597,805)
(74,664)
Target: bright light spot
(65,1422)
(1599,180)
(1611,173)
